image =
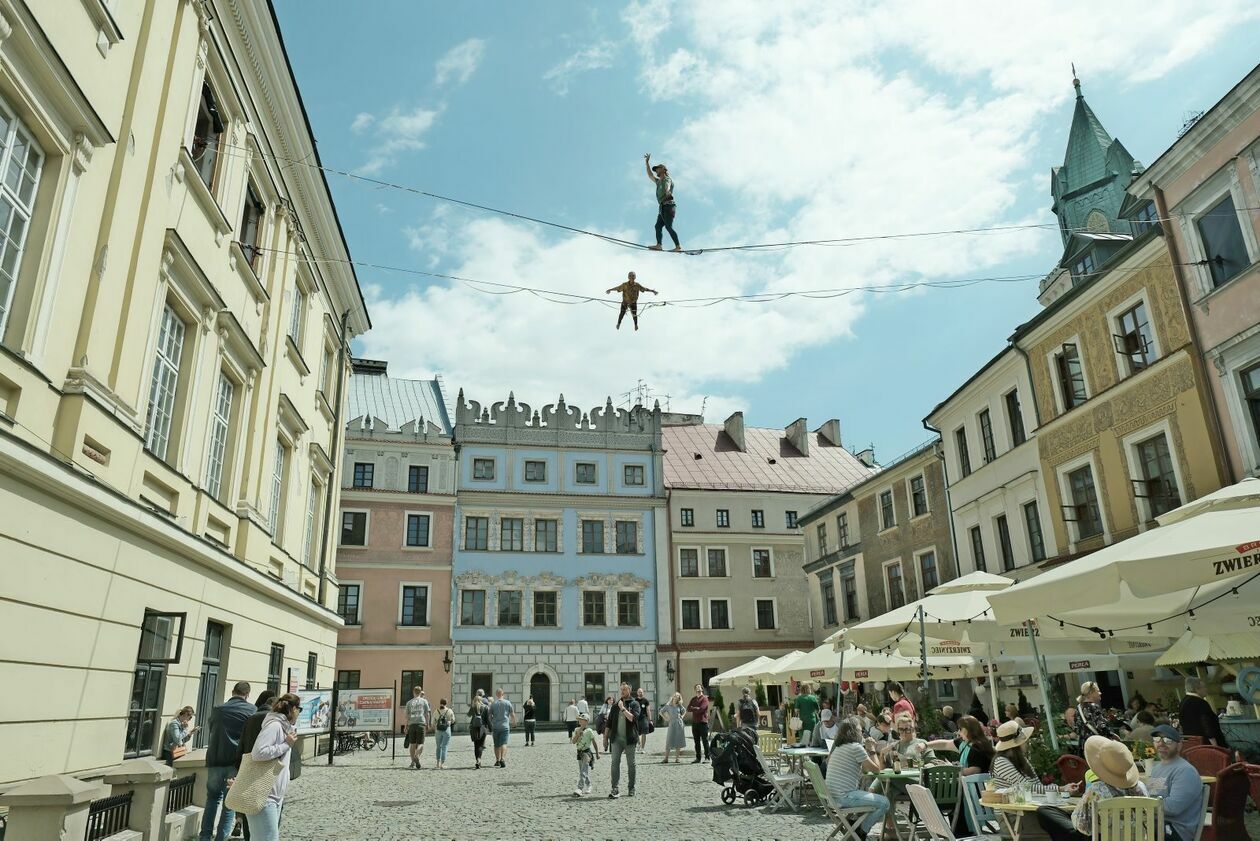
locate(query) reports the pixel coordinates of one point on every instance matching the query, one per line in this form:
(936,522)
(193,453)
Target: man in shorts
(502,717)
(629,299)
(417,720)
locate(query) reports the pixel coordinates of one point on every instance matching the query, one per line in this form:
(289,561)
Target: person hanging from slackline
(630,299)
(665,199)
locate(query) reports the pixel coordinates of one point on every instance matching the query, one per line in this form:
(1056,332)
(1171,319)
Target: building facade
(1207,187)
(397,527)
(173,308)
(735,566)
(560,517)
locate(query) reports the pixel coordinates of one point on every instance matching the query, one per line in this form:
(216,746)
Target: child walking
(587,750)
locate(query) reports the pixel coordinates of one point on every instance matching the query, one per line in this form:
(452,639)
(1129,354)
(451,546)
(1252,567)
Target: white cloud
(594,57)
(823,120)
(397,132)
(460,62)
(362,122)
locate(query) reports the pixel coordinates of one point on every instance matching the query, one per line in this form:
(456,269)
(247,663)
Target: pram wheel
(729,795)
(751,798)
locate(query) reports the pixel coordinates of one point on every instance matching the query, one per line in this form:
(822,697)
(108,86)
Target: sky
(779,122)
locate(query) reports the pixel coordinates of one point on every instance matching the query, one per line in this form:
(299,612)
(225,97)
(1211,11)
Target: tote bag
(254,782)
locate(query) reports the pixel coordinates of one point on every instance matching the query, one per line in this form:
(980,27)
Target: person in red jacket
(901,704)
(698,707)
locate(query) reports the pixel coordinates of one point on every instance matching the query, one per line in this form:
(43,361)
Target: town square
(815,419)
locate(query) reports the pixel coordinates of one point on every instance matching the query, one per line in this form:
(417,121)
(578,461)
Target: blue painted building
(559,521)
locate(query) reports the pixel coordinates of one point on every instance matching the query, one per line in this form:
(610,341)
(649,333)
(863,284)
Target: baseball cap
(583,717)
(1168,732)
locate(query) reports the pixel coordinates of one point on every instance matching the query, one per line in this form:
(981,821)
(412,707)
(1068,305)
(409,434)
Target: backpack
(442,721)
(747,710)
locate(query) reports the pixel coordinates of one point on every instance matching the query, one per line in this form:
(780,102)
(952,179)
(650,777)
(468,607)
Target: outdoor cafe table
(885,779)
(1013,813)
(796,758)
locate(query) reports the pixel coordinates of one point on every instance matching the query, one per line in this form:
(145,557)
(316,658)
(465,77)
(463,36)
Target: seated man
(881,731)
(1116,776)
(1177,782)
(949,719)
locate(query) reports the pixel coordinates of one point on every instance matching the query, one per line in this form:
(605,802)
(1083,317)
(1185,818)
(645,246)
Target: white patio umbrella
(827,663)
(731,676)
(1194,648)
(1244,494)
(767,671)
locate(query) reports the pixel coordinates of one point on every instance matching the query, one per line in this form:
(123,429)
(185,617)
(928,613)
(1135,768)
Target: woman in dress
(177,734)
(675,738)
(1090,718)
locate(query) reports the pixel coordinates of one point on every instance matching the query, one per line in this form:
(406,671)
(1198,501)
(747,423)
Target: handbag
(254,782)
(178,751)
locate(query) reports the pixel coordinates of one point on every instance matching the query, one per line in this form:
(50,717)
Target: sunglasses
(1162,740)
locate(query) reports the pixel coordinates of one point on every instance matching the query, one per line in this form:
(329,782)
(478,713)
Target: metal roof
(768,462)
(397,401)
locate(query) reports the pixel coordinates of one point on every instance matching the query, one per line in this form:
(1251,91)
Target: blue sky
(779,121)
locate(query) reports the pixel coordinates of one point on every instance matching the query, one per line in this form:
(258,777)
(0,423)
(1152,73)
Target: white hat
(826,715)
(1011,735)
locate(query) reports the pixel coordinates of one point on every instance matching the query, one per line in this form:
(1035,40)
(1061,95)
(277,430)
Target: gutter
(949,502)
(339,442)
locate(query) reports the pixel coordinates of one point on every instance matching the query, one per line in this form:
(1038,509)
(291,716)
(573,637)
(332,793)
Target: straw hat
(1111,761)
(1011,735)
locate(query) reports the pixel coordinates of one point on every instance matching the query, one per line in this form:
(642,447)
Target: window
(546,534)
(977,549)
(472,607)
(1032,520)
(251,227)
(688,563)
(1134,339)
(545,609)
(723,518)
(312,518)
(1250,381)
(896,588)
(690,611)
(594,688)
(1015,419)
(297,315)
(1158,484)
(161,642)
(1004,543)
(594,608)
(348,603)
(279,471)
(207,136)
(707,675)
(918,497)
(275,668)
(1223,245)
(719,614)
(483,469)
(631,678)
(628,610)
(593,537)
(842,529)
(165,381)
(848,586)
(406,683)
(986,435)
(927,571)
(417,479)
(512,534)
(762,567)
(348,678)
(633,475)
(765,615)
(822,539)
(717,563)
(364,474)
(1083,268)
(20,164)
(1145,217)
(354,528)
(758,518)
(964,456)
(584,473)
(509,607)
(220,420)
(417,529)
(688,517)
(827,588)
(887,517)
(1067,364)
(790,518)
(535,471)
(415,605)
(1084,508)
(627,538)
(476,532)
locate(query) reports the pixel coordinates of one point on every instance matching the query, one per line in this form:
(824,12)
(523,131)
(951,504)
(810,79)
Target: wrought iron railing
(108,816)
(179,795)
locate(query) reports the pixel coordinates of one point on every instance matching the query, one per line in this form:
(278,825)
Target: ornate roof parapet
(418,431)
(557,424)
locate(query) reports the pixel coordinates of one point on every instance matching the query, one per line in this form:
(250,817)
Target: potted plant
(1144,754)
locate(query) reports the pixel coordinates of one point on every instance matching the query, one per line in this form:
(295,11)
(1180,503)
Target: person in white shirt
(418,711)
(571,717)
(584,708)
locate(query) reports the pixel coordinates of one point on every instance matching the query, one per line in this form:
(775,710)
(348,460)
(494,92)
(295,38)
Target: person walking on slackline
(664,199)
(629,299)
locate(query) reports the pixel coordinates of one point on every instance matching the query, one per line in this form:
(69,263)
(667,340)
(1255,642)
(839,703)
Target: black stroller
(735,766)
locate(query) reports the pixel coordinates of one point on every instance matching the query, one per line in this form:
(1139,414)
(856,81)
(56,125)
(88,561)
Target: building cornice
(533,499)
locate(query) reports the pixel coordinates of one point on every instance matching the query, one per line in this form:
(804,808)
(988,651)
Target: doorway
(1112,693)
(209,691)
(483,681)
(540,691)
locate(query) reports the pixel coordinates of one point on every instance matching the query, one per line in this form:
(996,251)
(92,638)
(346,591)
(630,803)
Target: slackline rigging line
(245,151)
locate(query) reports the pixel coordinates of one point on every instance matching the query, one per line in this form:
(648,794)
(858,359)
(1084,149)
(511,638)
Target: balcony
(834,557)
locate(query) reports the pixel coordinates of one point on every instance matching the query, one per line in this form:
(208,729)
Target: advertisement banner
(316,711)
(365,709)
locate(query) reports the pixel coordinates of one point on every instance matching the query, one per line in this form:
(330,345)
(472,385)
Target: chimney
(830,432)
(798,436)
(867,457)
(734,427)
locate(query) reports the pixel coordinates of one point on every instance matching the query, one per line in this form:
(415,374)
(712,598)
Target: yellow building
(172,317)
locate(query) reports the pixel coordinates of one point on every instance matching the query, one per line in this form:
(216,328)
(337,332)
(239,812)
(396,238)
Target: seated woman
(1010,765)
(972,744)
(909,747)
(846,763)
(1117,776)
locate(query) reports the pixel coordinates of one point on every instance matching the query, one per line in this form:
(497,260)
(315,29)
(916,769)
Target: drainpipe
(338,437)
(673,601)
(1224,470)
(949,502)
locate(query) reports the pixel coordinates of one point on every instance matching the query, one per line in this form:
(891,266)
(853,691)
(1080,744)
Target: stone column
(194,762)
(147,780)
(52,807)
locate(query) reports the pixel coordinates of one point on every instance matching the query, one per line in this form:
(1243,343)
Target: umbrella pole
(840,674)
(993,697)
(923,643)
(1045,690)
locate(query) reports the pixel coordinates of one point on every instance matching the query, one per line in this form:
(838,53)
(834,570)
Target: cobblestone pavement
(366,796)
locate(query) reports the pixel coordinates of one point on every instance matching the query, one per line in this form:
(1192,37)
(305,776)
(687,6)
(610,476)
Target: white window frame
(1130,443)
(428,604)
(918,567)
(534,591)
(358,612)
(582,608)
(1113,326)
(581,538)
(1053,367)
(312,519)
(910,497)
(883,571)
(1065,496)
(616,601)
(699,600)
(220,430)
(25,211)
(297,315)
(367,527)
(752,562)
(163,408)
(879,508)
(417,512)
(708,613)
(525,611)
(774,607)
(1233,360)
(1204,198)
(700,558)
(485,607)
(279,480)
(726,553)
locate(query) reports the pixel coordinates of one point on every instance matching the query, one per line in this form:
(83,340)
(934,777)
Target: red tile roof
(768,462)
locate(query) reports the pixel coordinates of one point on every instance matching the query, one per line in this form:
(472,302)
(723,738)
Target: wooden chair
(1128,819)
(769,743)
(1203,812)
(933,821)
(1229,801)
(941,781)
(980,815)
(1072,768)
(847,818)
(786,786)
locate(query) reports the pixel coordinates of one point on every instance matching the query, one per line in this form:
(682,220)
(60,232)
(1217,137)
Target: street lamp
(446,662)
(669,670)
